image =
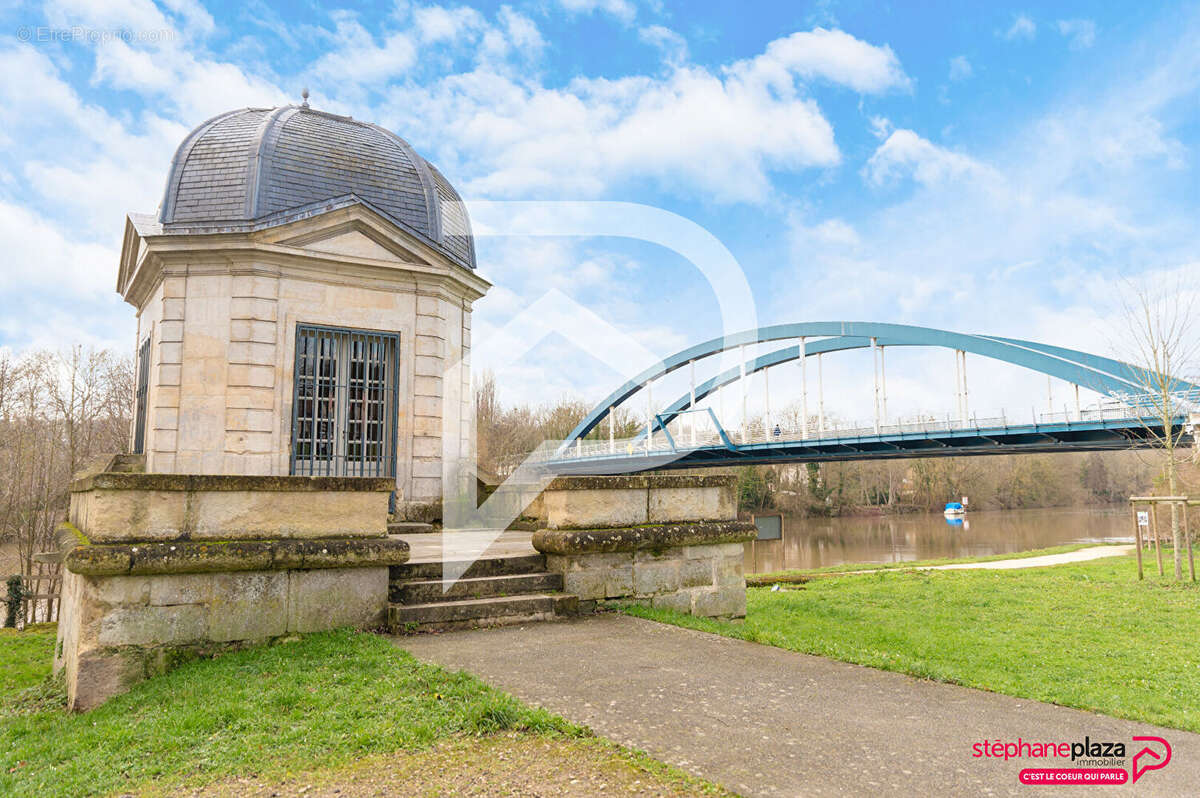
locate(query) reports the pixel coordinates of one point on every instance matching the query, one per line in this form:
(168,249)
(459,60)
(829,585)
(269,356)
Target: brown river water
(817,542)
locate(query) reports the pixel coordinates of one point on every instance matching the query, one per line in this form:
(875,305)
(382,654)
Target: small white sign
(1143,518)
(964,501)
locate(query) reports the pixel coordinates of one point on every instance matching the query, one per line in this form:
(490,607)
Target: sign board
(1143,517)
(964,501)
(770,527)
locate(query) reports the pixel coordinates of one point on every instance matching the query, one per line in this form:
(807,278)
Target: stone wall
(697,579)
(667,541)
(166,567)
(115,631)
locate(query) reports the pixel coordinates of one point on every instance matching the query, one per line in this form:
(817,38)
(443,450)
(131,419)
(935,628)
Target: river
(817,542)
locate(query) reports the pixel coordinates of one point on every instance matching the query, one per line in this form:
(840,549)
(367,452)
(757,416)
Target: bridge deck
(929,440)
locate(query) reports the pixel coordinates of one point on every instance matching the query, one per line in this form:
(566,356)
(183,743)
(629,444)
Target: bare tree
(1162,339)
(57,410)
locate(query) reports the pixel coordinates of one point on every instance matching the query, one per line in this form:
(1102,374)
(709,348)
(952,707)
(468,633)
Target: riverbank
(339,710)
(801,576)
(816,543)
(1085,635)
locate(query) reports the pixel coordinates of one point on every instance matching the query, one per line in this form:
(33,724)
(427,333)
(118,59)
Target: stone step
(421,591)
(491,566)
(473,613)
(410,528)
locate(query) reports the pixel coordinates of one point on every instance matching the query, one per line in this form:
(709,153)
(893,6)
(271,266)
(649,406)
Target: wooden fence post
(1137,534)
(1157,543)
(1187,534)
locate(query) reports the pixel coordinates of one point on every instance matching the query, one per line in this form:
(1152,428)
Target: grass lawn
(270,712)
(1085,635)
(26,657)
(803,575)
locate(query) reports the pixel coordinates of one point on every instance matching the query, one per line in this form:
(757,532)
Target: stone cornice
(191,557)
(649,537)
(146,258)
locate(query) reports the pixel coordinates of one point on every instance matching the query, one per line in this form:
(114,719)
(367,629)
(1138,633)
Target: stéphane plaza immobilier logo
(1091,762)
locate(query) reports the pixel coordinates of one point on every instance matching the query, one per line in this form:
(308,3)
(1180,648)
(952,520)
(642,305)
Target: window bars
(143,389)
(344,402)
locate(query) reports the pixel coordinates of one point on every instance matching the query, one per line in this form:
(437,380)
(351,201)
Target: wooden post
(1157,543)
(1137,534)
(1187,534)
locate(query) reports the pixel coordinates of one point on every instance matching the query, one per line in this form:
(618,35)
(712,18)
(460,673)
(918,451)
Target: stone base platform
(164,567)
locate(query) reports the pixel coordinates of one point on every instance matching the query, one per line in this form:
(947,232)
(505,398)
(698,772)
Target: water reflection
(817,542)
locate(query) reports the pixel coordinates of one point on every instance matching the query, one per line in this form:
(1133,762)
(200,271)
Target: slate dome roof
(269,165)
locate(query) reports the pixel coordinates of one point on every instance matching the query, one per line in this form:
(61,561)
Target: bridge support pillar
(663,540)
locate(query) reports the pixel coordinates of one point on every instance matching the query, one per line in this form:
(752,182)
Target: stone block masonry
(169,566)
(668,541)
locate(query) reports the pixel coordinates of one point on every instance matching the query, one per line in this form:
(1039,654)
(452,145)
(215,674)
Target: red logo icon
(1149,759)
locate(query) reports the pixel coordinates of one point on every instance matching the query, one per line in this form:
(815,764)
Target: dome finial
(304,96)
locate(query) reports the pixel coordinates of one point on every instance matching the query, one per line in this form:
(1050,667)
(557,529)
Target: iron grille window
(143,389)
(344,403)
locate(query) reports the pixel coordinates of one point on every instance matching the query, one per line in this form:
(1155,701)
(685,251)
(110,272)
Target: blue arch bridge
(1137,406)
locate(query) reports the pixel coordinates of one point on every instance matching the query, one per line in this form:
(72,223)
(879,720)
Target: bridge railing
(681,437)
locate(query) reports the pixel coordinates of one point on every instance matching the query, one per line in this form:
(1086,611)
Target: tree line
(58,409)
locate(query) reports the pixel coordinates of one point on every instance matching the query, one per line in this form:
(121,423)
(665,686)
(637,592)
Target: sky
(1000,169)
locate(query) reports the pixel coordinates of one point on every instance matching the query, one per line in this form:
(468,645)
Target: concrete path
(764,721)
(1080,555)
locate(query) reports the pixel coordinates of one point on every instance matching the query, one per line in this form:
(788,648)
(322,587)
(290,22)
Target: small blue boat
(954,509)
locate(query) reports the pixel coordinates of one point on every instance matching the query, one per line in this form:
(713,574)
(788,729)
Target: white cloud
(623,10)
(674,47)
(1023,28)
(830,55)
(960,68)
(359,59)
(904,153)
(1081,33)
(718,132)
(439,24)
(53,262)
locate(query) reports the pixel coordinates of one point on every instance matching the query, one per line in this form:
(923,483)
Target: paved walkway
(764,721)
(1079,555)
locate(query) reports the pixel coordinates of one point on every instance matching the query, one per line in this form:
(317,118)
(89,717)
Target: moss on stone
(184,557)
(68,532)
(229,482)
(643,481)
(648,537)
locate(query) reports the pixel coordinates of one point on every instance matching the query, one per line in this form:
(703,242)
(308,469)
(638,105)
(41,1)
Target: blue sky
(999,169)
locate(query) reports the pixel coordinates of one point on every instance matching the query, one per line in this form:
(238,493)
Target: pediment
(356,244)
(353,232)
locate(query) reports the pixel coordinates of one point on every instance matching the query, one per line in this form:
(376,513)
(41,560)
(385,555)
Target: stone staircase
(496,591)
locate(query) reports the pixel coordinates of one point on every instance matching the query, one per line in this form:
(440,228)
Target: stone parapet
(595,502)
(113,507)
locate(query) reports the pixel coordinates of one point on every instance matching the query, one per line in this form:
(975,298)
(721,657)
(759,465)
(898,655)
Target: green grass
(317,702)
(26,660)
(1085,635)
(802,574)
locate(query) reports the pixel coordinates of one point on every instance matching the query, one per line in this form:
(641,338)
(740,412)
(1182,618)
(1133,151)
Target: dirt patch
(503,765)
